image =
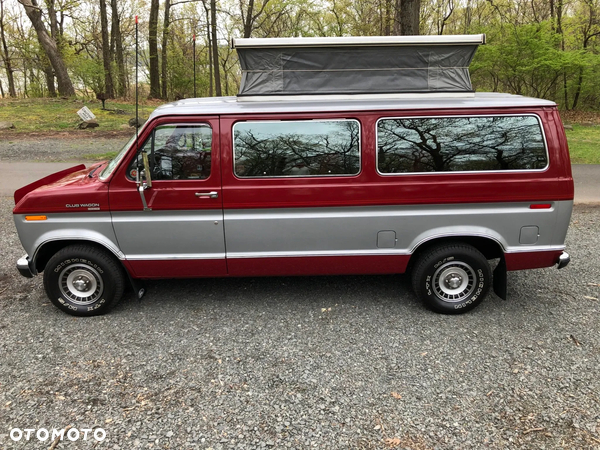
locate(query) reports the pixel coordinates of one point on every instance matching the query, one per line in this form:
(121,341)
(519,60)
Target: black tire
(86,270)
(452,279)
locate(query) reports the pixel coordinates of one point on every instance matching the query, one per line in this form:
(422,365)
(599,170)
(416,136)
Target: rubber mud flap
(500,288)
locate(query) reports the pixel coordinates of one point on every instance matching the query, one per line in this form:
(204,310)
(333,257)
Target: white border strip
(316,253)
(328,97)
(458,39)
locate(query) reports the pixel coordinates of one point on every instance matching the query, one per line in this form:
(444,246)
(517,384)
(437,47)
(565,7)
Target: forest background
(541,48)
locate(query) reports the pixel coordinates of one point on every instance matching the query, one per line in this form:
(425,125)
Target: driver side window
(177,152)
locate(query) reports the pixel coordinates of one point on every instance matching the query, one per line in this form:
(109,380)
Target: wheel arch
(490,247)
(49,248)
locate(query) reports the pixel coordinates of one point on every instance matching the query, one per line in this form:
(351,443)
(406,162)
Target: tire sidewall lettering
(70,261)
(459,253)
(84,258)
(65,302)
(443,261)
(96,305)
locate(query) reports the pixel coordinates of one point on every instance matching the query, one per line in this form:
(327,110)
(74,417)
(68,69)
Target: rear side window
(296,148)
(459,144)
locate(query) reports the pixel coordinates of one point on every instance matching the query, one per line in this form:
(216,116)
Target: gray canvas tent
(356,65)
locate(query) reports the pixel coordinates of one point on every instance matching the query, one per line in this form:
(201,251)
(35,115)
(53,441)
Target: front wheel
(83,280)
(452,279)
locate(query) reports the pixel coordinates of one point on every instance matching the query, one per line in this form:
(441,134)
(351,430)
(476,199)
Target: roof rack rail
(356,65)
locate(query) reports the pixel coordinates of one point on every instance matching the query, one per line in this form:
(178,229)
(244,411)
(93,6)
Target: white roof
(457,39)
(350,103)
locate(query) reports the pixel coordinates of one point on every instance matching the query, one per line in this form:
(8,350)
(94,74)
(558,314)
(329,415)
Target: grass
(100,156)
(584,144)
(51,115)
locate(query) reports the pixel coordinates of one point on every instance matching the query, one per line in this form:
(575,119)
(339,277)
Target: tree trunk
(578,91)
(387,26)
(53,21)
(153,50)
(109,91)
(559,30)
(25,91)
(49,74)
(408,17)
(209,40)
(6,56)
(468,17)
(118,43)
(65,87)
(559,11)
(163,50)
(215,46)
(248,19)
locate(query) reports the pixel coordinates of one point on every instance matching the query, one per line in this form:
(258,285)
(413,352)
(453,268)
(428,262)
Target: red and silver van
(436,184)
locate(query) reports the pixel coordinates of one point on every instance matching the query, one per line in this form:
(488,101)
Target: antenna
(137,120)
(194,50)
(148,184)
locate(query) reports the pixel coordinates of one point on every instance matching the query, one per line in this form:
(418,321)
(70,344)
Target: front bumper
(563,260)
(23,267)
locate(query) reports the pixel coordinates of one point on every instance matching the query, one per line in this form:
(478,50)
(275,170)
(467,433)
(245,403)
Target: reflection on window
(460,144)
(296,148)
(177,152)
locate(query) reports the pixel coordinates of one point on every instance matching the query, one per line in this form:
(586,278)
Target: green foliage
(586,82)
(88,73)
(180,65)
(529,60)
(524,60)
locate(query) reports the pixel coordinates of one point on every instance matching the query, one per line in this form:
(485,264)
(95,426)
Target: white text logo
(42,434)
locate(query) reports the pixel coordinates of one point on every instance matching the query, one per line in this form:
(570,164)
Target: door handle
(211,194)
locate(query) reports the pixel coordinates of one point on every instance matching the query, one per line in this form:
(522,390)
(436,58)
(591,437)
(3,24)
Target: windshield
(115,161)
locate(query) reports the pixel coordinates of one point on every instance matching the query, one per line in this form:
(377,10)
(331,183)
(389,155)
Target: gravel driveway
(319,362)
(315,362)
(47,147)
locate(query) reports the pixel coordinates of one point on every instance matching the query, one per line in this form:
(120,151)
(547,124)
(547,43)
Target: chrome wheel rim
(80,284)
(454,281)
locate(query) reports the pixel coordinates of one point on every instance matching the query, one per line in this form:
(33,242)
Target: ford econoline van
(436,184)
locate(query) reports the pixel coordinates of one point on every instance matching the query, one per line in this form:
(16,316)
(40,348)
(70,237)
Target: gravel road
(316,362)
(60,146)
(330,363)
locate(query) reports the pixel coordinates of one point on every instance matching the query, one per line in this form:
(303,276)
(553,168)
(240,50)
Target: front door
(181,232)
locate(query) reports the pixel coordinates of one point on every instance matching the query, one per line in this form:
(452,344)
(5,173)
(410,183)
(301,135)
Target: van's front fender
(67,227)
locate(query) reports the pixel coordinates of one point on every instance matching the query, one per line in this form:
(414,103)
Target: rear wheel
(83,280)
(452,279)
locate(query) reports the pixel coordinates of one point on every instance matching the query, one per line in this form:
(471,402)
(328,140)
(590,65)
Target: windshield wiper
(91,174)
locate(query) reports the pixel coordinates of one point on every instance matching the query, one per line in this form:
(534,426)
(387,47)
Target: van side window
(177,152)
(455,144)
(296,148)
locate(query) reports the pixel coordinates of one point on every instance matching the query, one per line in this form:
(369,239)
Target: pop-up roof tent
(356,65)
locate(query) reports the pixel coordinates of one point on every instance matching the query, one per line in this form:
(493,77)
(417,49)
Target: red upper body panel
(371,188)
(60,191)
